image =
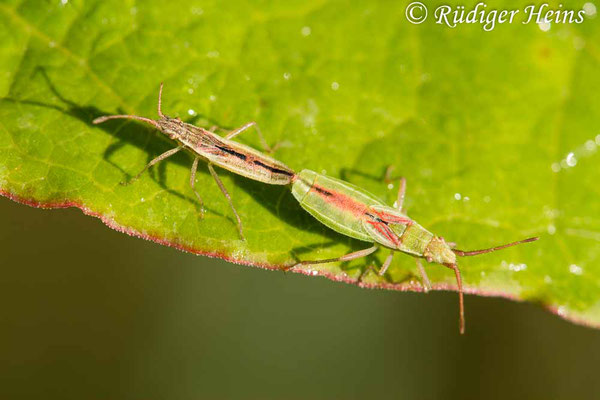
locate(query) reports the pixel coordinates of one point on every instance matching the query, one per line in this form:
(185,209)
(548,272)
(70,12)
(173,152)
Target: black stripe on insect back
(322,191)
(272,169)
(377,219)
(232,152)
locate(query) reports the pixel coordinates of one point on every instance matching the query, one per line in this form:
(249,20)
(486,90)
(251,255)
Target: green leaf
(496,132)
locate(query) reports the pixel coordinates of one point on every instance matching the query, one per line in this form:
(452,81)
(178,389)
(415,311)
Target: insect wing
(386,225)
(251,163)
(335,203)
(241,159)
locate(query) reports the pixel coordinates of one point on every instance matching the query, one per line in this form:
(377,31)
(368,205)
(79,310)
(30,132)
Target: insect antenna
(463,253)
(100,120)
(461,303)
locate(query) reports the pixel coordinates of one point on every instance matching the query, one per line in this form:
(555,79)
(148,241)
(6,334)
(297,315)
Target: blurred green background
(87,312)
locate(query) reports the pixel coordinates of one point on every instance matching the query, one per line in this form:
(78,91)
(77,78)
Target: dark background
(87,312)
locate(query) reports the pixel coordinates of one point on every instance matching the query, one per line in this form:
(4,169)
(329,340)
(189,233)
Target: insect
(215,150)
(354,212)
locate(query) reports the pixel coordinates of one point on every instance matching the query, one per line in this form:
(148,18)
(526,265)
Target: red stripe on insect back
(341,201)
(393,218)
(386,231)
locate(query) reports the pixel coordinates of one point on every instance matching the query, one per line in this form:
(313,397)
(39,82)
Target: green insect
(354,212)
(215,150)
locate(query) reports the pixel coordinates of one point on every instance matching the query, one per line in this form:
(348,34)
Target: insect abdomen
(391,228)
(336,204)
(415,240)
(248,162)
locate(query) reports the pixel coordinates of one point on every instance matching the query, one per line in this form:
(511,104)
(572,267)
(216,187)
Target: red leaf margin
(403,287)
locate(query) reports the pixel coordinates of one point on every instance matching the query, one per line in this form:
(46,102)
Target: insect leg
(228,197)
(401,189)
(242,128)
(424,278)
(163,156)
(381,271)
(160,114)
(401,192)
(346,257)
(193,185)
(386,263)
(461,303)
